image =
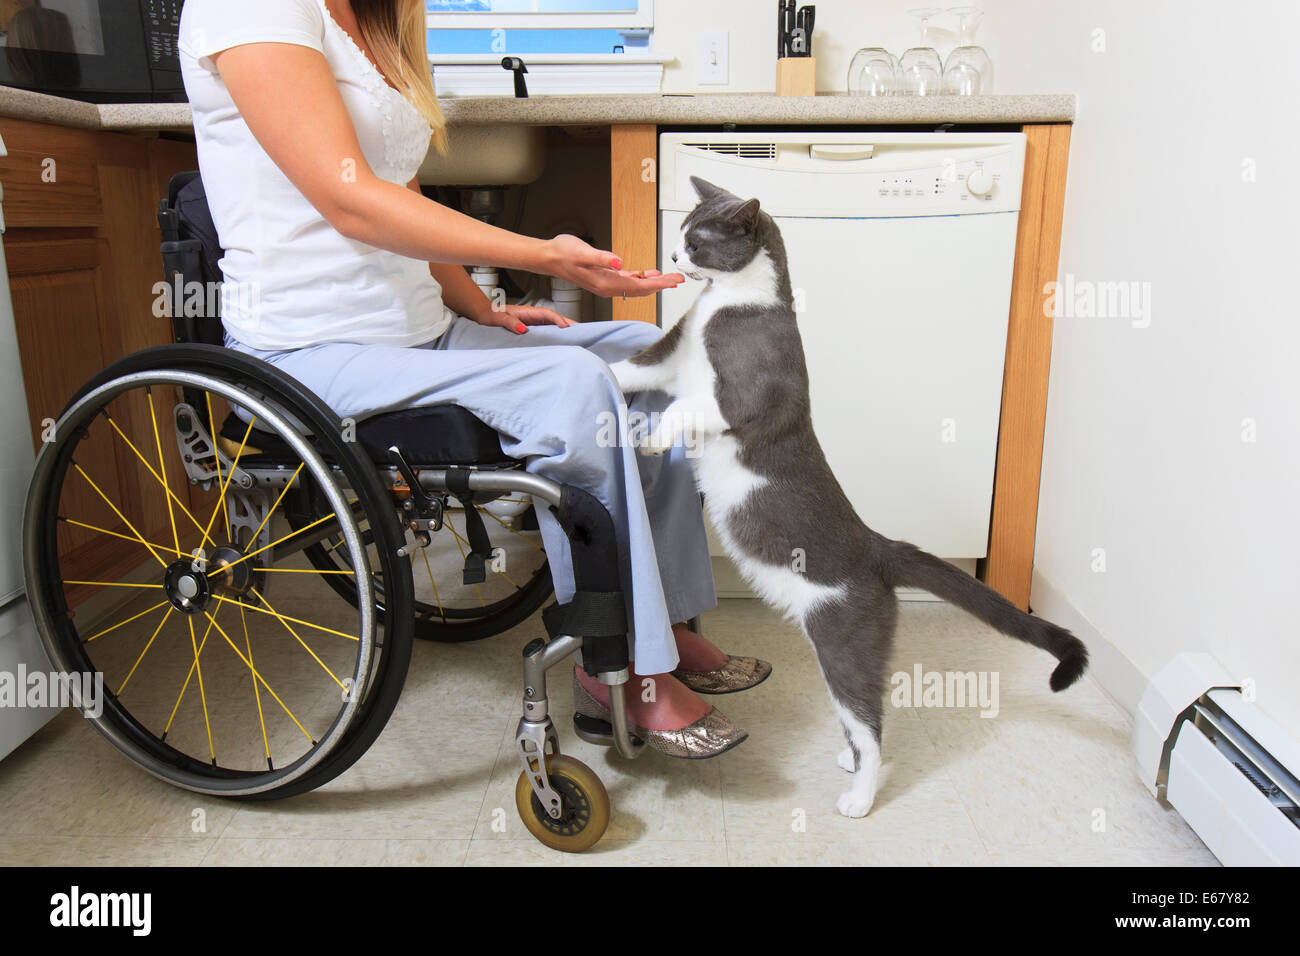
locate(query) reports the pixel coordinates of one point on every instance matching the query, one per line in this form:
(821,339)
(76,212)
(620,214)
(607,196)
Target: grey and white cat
(734,368)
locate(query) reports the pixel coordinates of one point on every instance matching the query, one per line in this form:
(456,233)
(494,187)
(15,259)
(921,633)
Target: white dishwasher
(900,248)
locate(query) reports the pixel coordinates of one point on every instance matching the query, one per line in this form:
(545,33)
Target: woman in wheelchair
(312,118)
(237,536)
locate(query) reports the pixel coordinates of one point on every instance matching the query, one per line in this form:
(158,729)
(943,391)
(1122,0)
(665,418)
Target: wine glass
(873,72)
(920,69)
(969,71)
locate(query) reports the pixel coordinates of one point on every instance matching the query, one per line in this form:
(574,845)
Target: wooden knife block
(796,76)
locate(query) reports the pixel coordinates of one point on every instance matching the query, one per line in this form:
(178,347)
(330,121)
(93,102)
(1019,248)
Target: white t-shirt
(292,279)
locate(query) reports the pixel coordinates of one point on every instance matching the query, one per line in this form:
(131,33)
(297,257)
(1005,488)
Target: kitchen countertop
(607,109)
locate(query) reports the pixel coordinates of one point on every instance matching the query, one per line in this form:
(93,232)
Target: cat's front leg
(654,368)
(634,377)
(670,426)
(693,419)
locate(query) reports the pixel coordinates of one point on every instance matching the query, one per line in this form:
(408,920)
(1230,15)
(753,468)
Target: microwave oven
(102,51)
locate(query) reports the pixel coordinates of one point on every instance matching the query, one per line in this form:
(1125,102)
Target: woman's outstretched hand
(602,272)
(517,318)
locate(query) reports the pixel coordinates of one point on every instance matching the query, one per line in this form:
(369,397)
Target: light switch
(711,58)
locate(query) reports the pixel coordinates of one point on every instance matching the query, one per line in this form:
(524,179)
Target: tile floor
(1049,780)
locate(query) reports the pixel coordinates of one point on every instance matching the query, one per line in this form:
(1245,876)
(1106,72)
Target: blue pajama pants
(550,394)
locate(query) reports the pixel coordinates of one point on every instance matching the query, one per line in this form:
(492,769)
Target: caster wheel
(586,806)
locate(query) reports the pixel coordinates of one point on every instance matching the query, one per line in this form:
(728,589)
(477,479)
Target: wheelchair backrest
(191,259)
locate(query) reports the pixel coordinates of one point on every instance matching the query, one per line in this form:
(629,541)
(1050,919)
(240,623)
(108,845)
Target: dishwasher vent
(743,150)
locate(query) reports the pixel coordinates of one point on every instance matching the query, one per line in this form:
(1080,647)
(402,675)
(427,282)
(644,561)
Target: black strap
(589,614)
(480,547)
(600,619)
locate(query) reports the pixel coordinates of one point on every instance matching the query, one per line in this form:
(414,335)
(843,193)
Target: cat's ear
(746,214)
(706,190)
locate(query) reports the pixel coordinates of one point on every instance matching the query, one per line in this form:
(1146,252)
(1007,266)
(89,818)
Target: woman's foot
(694,653)
(706,670)
(670,705)
(675,722)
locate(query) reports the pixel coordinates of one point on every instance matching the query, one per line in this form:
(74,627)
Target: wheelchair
(259,485)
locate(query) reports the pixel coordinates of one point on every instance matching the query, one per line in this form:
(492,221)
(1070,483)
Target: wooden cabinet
(82,247)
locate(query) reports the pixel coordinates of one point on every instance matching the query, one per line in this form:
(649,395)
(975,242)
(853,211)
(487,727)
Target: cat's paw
(655,445)
(846,760)
(854,803)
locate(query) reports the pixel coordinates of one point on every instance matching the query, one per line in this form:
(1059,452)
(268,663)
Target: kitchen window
(570,46)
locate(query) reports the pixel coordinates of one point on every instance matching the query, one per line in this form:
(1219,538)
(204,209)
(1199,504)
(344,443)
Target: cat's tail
(913,567)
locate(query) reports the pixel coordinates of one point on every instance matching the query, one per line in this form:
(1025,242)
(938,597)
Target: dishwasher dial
(980,182)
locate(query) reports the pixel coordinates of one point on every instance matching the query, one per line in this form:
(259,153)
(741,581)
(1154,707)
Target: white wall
(1145,455)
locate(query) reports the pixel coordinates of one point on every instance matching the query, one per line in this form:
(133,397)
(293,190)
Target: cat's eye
(690,248)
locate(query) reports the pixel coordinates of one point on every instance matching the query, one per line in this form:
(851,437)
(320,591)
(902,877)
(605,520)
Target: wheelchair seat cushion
(432,436)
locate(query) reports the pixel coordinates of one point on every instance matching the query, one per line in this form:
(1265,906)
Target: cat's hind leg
(863,752)
(852,638)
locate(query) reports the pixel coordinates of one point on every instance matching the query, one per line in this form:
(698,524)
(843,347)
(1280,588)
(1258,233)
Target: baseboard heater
(1222,763)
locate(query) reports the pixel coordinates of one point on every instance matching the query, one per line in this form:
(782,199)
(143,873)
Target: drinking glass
(969,71)
(873,71)
(920,69)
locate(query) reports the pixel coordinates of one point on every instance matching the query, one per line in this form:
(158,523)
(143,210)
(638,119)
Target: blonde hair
(396,34)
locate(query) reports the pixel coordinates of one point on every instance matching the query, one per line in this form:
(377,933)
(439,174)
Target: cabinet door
(62,304)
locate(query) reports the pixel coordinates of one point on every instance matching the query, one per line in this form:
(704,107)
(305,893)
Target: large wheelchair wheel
(446,610)
(160,566)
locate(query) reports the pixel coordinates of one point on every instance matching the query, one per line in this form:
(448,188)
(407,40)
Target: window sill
(494,59)
(550,74)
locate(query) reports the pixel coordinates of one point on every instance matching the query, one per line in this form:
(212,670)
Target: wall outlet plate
(711,58)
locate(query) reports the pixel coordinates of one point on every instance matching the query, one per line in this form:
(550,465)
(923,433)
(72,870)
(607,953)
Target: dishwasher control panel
(977,184)
(823,174)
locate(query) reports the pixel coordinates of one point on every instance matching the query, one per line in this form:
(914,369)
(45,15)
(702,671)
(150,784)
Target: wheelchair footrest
(594,730)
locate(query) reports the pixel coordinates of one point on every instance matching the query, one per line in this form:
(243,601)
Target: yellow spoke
(117,512)
(114,584)
(124,623)
(436,599)
(115,534)
(259,676)
(283,492)
(517,534)
(149,468)
(261,718)
(304,571)
(319,627)
(203,694)
(221,500)
(186,685)
(253,554)
(283,621)
(156,632)
(342,540)
(456,535)
(162,467)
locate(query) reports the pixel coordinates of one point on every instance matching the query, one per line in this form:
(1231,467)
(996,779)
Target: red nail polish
(617,263)
(521,328)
